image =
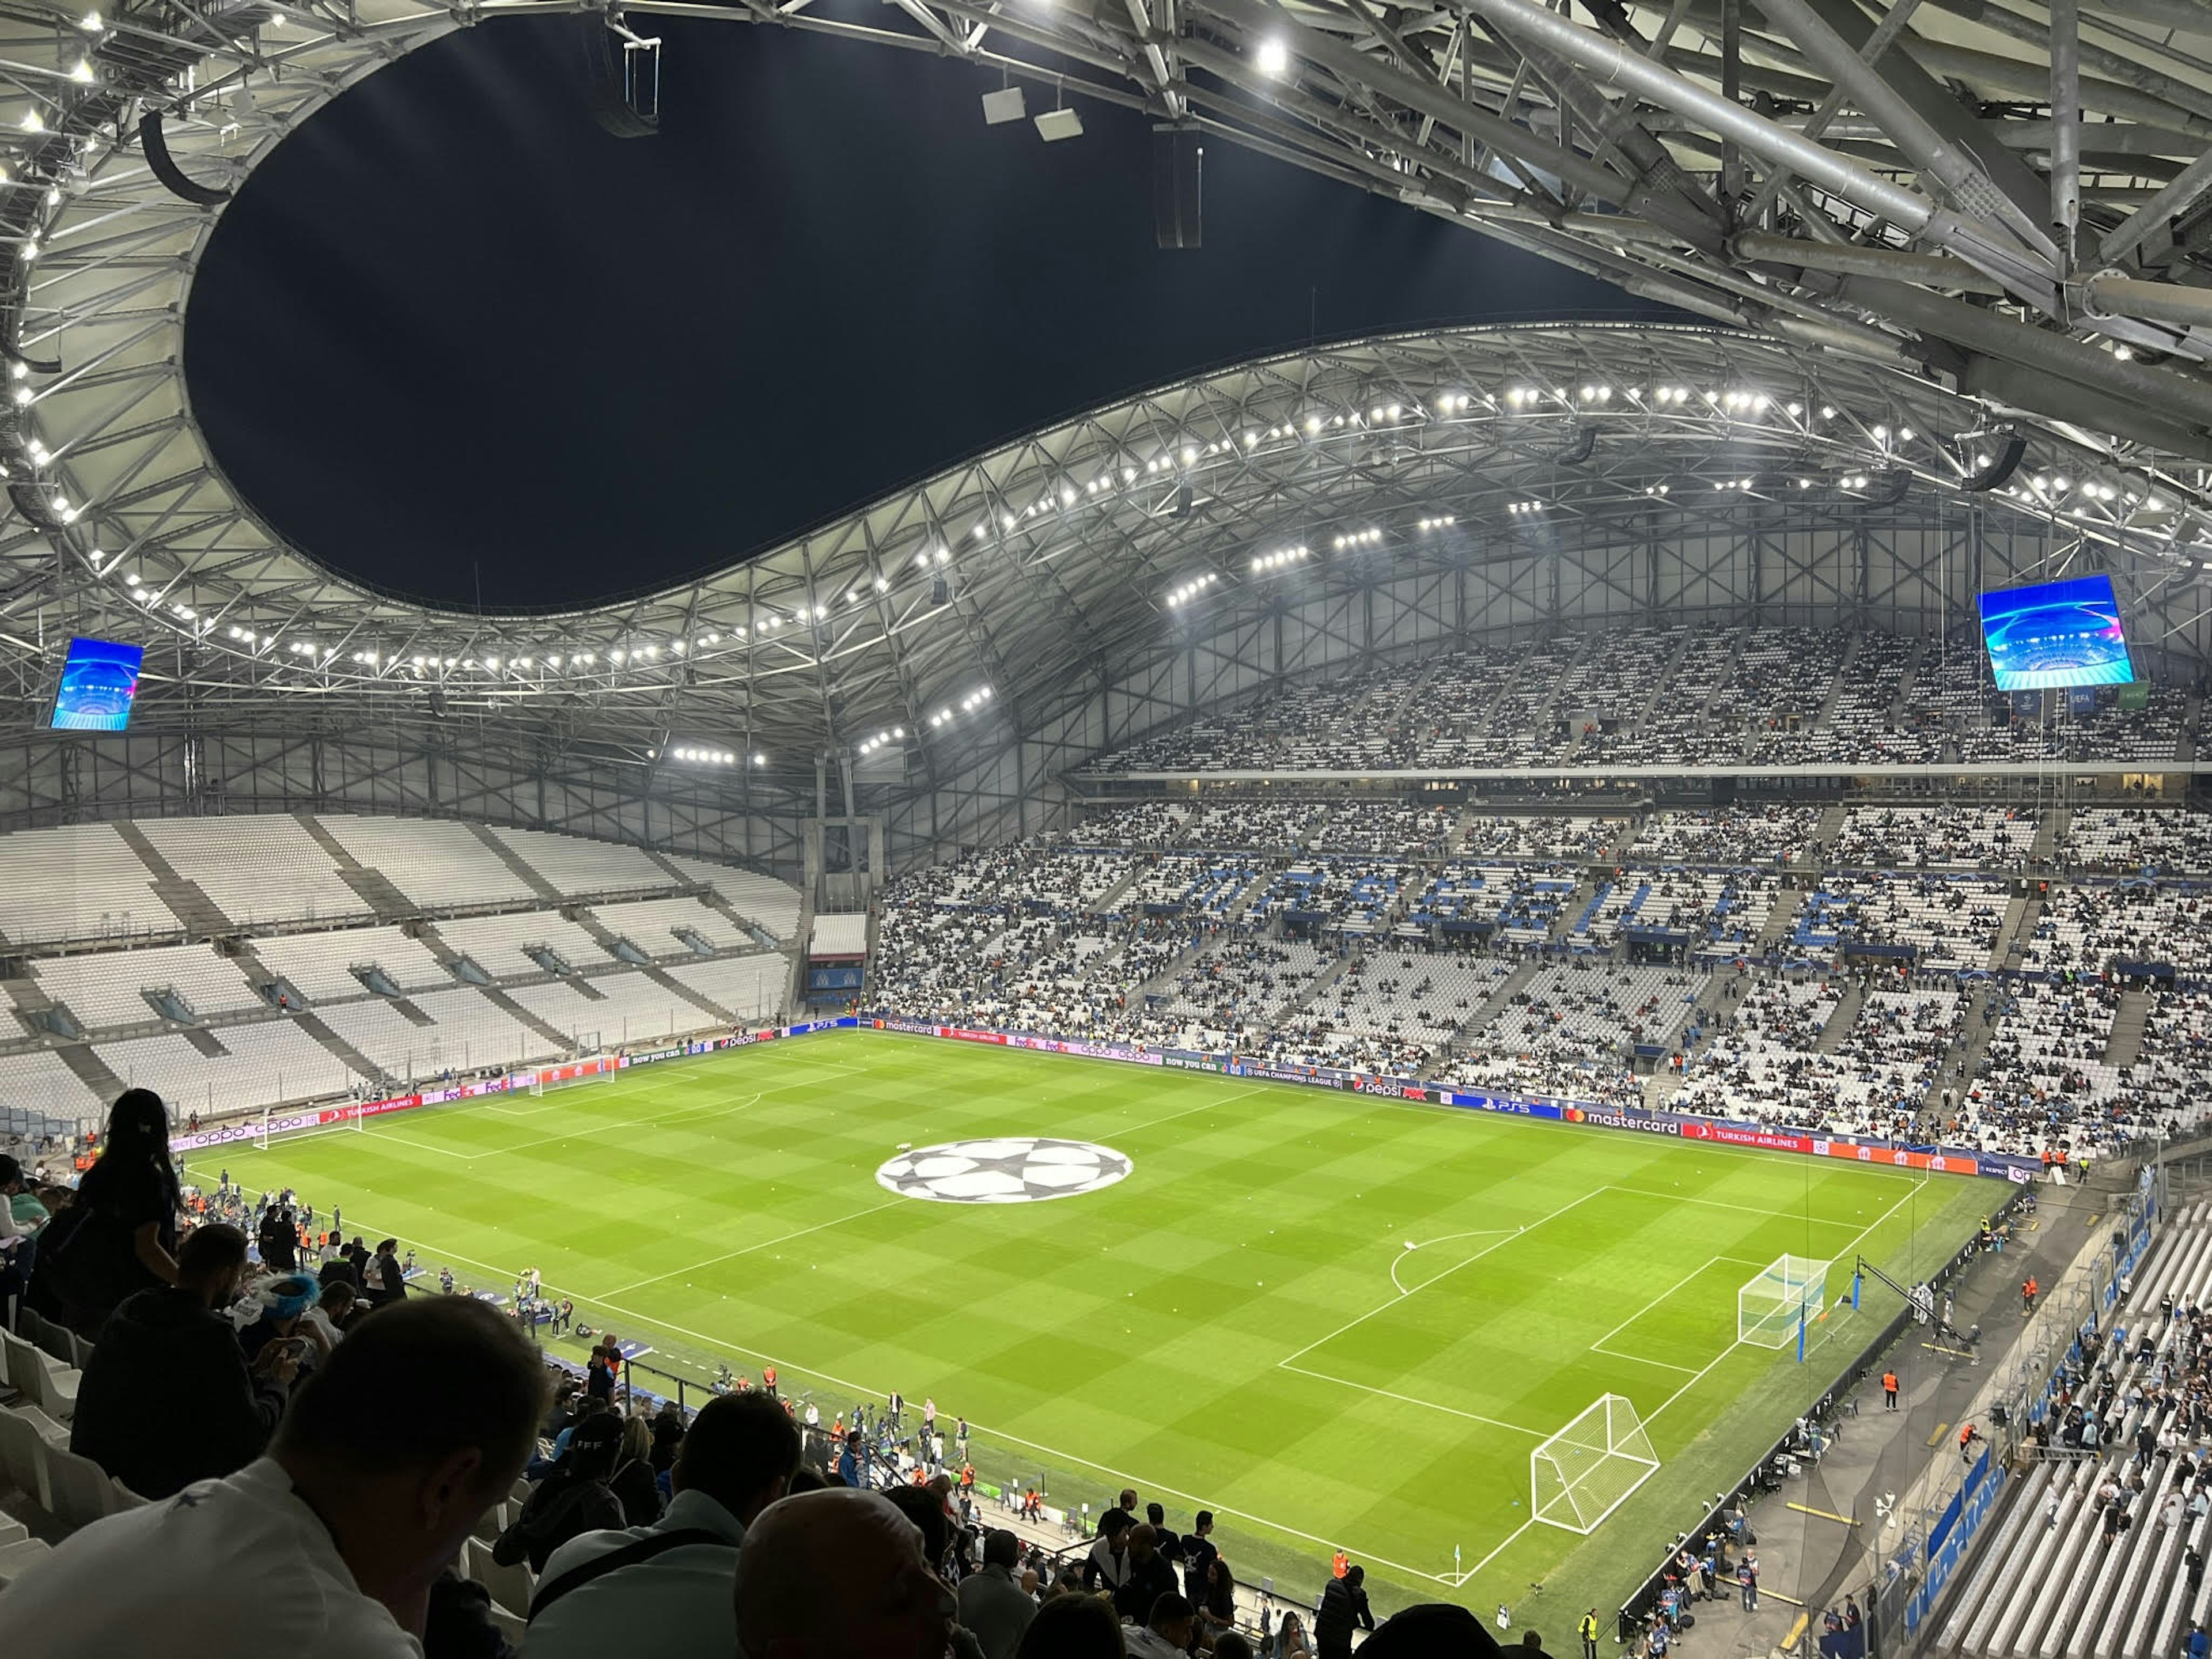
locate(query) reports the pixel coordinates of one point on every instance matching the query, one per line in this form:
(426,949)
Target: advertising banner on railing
(1973,1505)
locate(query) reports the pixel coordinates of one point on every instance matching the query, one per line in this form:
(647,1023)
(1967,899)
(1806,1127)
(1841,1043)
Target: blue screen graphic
(2056,633)
(99,679)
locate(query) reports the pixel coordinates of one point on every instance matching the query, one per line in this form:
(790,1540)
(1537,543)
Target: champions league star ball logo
(1015,1170)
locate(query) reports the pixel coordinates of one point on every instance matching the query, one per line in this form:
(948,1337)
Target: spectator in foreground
(330,1545)
(120,1236)
(1343,1604)
(1150,1575)
(1167,1634)
(1435,1630)
(1073,1627)
(168,1398)
(665,1590)
(573,1497)
(839,1574)
(995,1609)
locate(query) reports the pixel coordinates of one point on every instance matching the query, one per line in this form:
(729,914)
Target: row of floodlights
(1279,559)
(968,704)
(1356,538)
(895,734)
(698,757)
(1191,589)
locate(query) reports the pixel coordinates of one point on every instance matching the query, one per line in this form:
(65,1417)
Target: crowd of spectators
(1677,695)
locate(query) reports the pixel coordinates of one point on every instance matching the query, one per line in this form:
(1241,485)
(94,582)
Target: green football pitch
(1334,1321)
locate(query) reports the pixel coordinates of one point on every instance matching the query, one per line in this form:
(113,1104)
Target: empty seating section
(39,1083)
(269,1062)
(433,862)
(773,904)
(579,867)
(751,988)
(499,945)
(79,882)
(652,926)
(469,1031)
(258,868)
(108,989)
(395,1044)
(319,966)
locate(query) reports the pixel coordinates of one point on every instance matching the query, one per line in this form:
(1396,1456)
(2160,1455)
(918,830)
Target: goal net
(1771,1309)
(1587,1470)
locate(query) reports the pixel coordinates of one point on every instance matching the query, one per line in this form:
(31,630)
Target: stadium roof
(1047,564)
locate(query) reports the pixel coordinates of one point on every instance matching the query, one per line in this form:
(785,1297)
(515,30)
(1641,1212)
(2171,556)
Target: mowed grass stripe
(729,1206)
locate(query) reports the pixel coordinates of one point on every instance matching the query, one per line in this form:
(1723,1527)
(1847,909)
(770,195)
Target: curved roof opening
(455,342)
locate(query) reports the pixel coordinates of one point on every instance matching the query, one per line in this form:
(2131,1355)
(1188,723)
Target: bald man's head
(839,1574)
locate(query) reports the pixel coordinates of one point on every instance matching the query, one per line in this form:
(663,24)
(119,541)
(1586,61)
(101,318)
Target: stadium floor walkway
(1812,1559)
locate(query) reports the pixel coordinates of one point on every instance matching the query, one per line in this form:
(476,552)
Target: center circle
(1007,1170)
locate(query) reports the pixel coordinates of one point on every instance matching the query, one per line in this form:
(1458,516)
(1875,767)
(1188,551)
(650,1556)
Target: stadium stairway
(1782,919)
(1915,650)
(1108,902)
(1840,1022)
(2125,1045)
(1814,855)
(2021,913)
(91,1070)
(199,913)
(1494,1004)
(514,861)
(2056,822)
(1827,712)
(385,902)
(337,1045)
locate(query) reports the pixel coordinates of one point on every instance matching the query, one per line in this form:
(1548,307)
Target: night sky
(452,334)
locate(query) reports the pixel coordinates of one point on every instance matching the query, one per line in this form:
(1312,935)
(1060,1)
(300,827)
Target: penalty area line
(1411,1399)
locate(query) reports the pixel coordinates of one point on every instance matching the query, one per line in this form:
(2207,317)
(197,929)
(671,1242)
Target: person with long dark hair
(123,1239)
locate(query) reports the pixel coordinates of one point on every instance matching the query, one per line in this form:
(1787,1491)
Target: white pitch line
(1700,1376)
(731,1256)
(1722,1204)
(1640,1359)
(408,1141)
(1350,1324)
(1473,1232)
(1458,1579)
(1411,1399)
(868,1391)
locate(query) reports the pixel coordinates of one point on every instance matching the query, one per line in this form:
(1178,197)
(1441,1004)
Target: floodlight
(1274,56)
(1003,107)
(1055,124)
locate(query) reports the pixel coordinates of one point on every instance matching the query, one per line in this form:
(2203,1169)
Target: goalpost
(1778,1307)
(1587,1469)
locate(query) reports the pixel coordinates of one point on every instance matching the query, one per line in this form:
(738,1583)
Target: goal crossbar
(1774,1307)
